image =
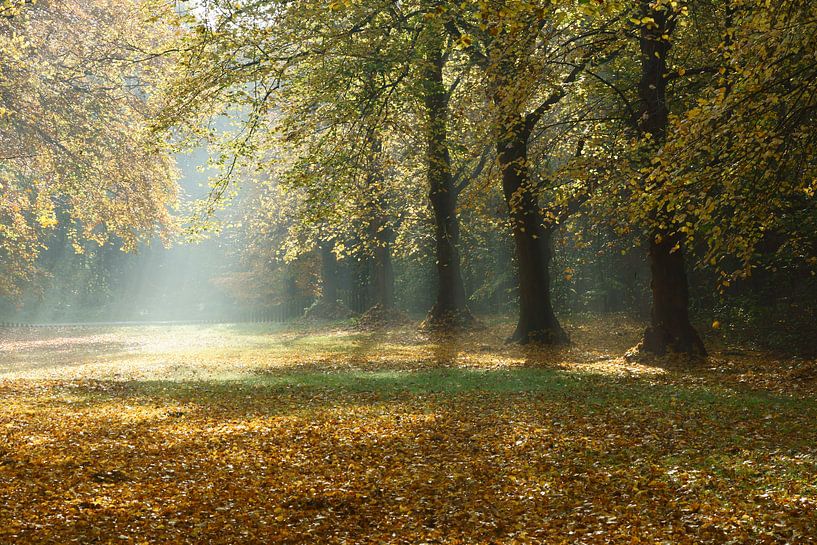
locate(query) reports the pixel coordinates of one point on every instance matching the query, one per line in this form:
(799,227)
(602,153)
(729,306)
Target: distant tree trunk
(532,239)
(383,271)
(380,232)
(450,305)
(329,273)
(293,302)
(670,327)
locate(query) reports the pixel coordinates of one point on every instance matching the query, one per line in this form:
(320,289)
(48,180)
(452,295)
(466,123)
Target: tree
(670,328)
(450,306)
(73,113)
(648,92)
(529,54)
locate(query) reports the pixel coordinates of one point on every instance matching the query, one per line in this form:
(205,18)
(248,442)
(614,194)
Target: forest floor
(265,434)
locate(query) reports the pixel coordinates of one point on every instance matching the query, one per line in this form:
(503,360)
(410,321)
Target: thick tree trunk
(532,239)
(671,329)
(450,307)
(329,273)
(450,288)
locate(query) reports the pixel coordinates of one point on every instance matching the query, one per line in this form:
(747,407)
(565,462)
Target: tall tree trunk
(450,305)
(532,240)
(329,273)
(670,327)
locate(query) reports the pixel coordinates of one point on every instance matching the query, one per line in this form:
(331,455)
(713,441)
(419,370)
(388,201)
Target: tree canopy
(74,110)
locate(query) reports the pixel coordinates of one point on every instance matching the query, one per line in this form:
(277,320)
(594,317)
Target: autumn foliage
(251,435)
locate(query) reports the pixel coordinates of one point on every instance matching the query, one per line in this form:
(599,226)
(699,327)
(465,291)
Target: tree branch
(461,181)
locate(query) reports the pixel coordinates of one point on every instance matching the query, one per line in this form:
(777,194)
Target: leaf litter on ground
(268,434)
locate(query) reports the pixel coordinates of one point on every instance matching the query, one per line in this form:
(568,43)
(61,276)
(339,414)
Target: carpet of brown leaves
(261,435)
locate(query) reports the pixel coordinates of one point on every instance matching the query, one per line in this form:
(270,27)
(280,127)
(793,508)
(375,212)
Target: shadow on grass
(318,389)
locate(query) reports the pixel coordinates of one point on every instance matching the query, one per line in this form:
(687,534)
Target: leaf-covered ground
(239,434)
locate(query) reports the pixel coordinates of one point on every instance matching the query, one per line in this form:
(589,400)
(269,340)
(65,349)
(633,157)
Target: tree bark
(670,328)
(532,239)
(450,305)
